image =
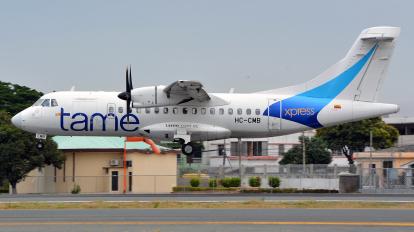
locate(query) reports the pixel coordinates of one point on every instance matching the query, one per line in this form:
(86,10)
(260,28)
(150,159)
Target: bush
(274,181)
(230,182)
(195,182)
(212,183)
(255,181)
(198,189)
(76,189)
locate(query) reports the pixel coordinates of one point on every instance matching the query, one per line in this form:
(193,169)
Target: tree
(14,98)
(316,151)
(18,153)
(355,135)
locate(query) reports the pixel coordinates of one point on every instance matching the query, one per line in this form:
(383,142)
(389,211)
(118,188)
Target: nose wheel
(41,138)
(40,145)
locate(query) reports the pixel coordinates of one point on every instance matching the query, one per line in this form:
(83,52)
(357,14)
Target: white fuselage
(243,116)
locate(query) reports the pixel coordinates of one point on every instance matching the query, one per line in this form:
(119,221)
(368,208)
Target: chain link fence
(387,180)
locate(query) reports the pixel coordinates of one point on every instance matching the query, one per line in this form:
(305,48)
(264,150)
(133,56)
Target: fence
(384,180)
(313,176)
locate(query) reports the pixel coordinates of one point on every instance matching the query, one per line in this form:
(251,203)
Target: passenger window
(147,110)
(156,110)
(138,110)
(165,110)
(111,110)
(257,111)
(46,103)
(185,110)
(248,111)
(175,110)
(230,111)
(203,110)
(54,102)
(239,111)
(120,110)
(212,110)
(194,110)
(221,111)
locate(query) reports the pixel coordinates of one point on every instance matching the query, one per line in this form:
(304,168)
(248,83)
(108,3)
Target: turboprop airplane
(185,112)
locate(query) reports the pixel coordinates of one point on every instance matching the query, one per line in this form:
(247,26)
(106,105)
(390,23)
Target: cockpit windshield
(46,102)
(38,102)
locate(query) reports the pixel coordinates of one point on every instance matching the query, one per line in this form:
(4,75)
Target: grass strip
(208,205)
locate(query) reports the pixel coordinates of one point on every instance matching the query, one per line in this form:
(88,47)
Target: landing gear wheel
(40,145)
(187,149)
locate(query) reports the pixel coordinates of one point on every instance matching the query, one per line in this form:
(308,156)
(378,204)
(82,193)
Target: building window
(220,150)
(165,110)
(212,110)
(248,111)
(203,110)
(281,149)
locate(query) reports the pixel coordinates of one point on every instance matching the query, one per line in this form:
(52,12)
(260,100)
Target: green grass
(213,205)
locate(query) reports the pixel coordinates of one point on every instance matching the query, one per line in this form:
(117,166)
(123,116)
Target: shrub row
(287,190)
(257,190)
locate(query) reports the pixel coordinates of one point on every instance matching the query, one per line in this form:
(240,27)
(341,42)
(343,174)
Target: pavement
(283,220)
(339,220)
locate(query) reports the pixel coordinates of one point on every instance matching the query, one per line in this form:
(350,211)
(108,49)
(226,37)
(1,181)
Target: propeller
(126,96)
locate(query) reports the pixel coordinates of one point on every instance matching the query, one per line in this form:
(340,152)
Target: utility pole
(371,172)
(303,154)
(239,146)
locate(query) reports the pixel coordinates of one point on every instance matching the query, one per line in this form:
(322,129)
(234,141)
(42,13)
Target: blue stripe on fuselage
(305,107)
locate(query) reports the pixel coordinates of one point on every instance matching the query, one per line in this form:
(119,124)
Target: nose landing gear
(40,145)
(40,141)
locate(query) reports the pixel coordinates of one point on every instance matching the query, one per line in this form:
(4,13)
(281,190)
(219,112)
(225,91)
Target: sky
(243,44)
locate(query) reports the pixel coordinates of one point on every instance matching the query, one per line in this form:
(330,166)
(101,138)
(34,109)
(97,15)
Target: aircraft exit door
(274,107)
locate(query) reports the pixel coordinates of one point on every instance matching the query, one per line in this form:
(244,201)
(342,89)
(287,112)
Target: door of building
(114,181)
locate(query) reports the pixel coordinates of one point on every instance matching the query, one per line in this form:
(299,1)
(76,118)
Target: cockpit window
(38,102)
(54,102)
(46,103)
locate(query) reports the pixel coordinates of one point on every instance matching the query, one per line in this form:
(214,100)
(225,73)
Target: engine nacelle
(150,96)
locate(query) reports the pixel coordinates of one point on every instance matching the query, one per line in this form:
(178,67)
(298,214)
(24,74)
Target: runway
(208,220)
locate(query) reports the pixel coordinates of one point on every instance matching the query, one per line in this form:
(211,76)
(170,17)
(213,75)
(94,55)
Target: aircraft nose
(17,120)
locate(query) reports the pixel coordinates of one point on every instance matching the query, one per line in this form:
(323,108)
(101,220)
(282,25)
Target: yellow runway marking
(374,224)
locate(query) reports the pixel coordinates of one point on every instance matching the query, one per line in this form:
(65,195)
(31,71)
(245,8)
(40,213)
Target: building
(258,151)
(96,165)
(395,157)
(405,125)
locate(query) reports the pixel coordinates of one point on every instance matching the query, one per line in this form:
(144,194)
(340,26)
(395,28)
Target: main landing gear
(186,148)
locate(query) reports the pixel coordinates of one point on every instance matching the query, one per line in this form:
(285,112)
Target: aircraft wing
(188,90)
